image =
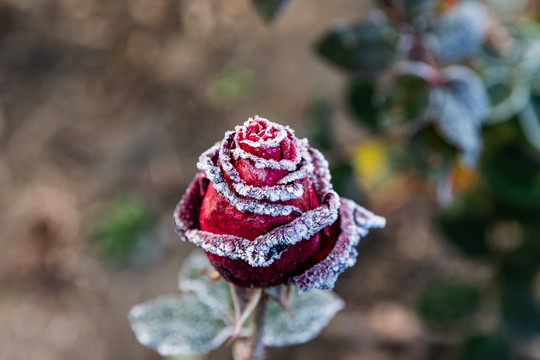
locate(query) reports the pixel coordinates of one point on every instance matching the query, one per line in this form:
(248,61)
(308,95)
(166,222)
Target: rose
(263,209)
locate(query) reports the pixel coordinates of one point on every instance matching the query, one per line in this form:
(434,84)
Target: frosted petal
(272,193)
(208,164)
(300,168)
(305,169)
(283,164)
(186,214)
(273,138)
(265,249)
(321,173)
(355,222)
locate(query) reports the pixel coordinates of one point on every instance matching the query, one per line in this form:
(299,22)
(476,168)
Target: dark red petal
(294,260)
(186,214)
(354,223)
(263,138)
(210,164)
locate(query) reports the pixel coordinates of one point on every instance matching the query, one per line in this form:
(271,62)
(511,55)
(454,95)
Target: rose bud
(263,209)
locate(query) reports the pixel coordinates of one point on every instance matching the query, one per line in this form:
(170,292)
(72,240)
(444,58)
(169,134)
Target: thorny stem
(257,344)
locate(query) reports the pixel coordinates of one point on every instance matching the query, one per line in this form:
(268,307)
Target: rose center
(259,131)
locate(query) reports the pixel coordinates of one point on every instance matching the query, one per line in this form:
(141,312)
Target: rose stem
(257,344)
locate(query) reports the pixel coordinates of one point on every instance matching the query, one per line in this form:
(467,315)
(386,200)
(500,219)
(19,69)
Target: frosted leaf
(354,223)
(416,69)
(516,90)
(463,103)
(460,32)
(265,249)
(175,325)
(193,277)
(366,48)
(207,163)
(530,122)
(468,85)
(311,312)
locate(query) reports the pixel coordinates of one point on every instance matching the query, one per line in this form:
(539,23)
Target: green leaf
(529,119)
(508,92)
(463,103)
(512,171)
(408,96)
(429,153)
(194,278)
(412,9)
(520,305)
(360,96)
(310,313)
(520,309)
(522,265)
(365,48)
(448,302)
(321,129)
(175,325)
(344,181)
(485,347)
(460,32)
(269,10)
(468,232)
(415,8)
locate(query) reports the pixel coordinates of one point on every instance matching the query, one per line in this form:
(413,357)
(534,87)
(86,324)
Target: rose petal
(186,214)
(267,248)
(208,163)
(265,139)
(354,223)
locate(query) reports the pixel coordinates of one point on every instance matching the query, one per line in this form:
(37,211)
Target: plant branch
(257,344)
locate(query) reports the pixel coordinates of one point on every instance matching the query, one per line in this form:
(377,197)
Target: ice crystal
(272,193)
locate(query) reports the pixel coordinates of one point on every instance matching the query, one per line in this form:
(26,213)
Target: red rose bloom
(264,211)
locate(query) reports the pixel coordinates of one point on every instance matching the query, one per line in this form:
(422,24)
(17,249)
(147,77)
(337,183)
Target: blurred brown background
(100,98)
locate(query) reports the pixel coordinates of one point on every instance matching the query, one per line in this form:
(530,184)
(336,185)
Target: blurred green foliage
(321,120)
(448,302)
(485,347)
(120,228)
(269,10)
(456,85)
(230,84)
